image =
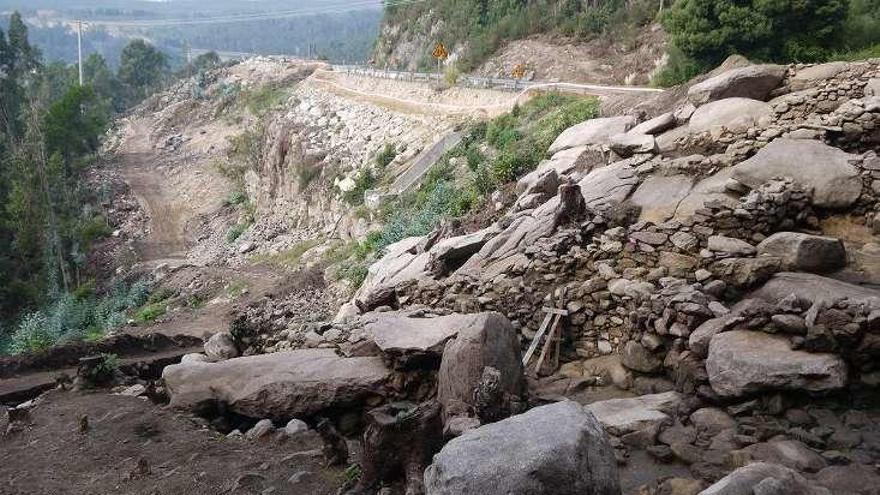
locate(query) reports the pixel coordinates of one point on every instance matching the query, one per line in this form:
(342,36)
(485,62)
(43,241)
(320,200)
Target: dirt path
(138,164)
(48,455)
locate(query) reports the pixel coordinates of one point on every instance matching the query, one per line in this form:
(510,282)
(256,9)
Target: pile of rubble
(711,330)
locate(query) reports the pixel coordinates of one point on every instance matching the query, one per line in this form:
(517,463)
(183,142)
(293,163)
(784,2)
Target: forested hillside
(701,32)
(336,29)
(474,29)
(50,217)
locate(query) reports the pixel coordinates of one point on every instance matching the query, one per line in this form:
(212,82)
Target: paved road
(514,85)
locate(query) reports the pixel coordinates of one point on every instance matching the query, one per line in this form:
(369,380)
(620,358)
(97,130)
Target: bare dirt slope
(631,60)
(51,456)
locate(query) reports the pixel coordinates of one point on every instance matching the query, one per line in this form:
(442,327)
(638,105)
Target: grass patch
(236,288)
(259,101)
(150,312)
(288,258)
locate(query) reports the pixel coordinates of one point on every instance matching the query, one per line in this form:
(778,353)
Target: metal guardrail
(514,85)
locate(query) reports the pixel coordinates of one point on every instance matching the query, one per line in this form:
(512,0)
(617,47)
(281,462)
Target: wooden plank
(555,311)
(537,339)
(547,343)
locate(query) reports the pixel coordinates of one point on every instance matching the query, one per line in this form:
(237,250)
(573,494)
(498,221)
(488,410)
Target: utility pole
(79,49)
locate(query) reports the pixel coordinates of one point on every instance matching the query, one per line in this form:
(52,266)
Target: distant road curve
(503,84)
(497,83)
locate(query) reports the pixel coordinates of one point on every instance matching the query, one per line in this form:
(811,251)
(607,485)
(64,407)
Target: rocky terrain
(681,299)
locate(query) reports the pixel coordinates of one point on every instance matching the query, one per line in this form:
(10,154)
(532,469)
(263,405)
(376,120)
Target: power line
(339,8)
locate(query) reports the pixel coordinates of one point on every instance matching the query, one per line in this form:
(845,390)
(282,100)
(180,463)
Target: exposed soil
(625,58)
(47,454)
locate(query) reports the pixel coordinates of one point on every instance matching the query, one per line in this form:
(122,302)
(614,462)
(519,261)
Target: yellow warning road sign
(440,52)
(519,71)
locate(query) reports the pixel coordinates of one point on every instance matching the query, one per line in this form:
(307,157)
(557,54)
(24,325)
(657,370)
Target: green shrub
(364,181)
(354,273)
(775,30)
(679,69)
(386,156)
(235,232)
(34,333)
(75,316)
(92,229)
(150,312)
(236,198)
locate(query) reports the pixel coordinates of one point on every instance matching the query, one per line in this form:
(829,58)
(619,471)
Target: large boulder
(449,254)
(629,144)
(559,448)
(658,196)
(566,163)
(746,480)
(753,81)
(504,251)
(828,171)
(622,416)
(804,252)
(595,131)
(488,341)
(609,185)
(403,261)
(744,362)
(279,385)
(812,288)
(407,339)
(221,346)
(657,125)
(732,114)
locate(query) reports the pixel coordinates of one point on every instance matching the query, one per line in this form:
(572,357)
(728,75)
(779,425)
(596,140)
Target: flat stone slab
(621,416)
(828,171)
(660,195)
(733,114)
(752,81)
(609,185)
(401,262)
(744,362)
(811,287)
(399,332)
(745,479)
(280,385)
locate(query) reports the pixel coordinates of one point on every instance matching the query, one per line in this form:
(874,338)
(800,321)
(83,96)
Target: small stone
(295,427)
(259,430)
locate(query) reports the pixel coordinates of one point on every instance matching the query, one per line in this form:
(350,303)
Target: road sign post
(440,54)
